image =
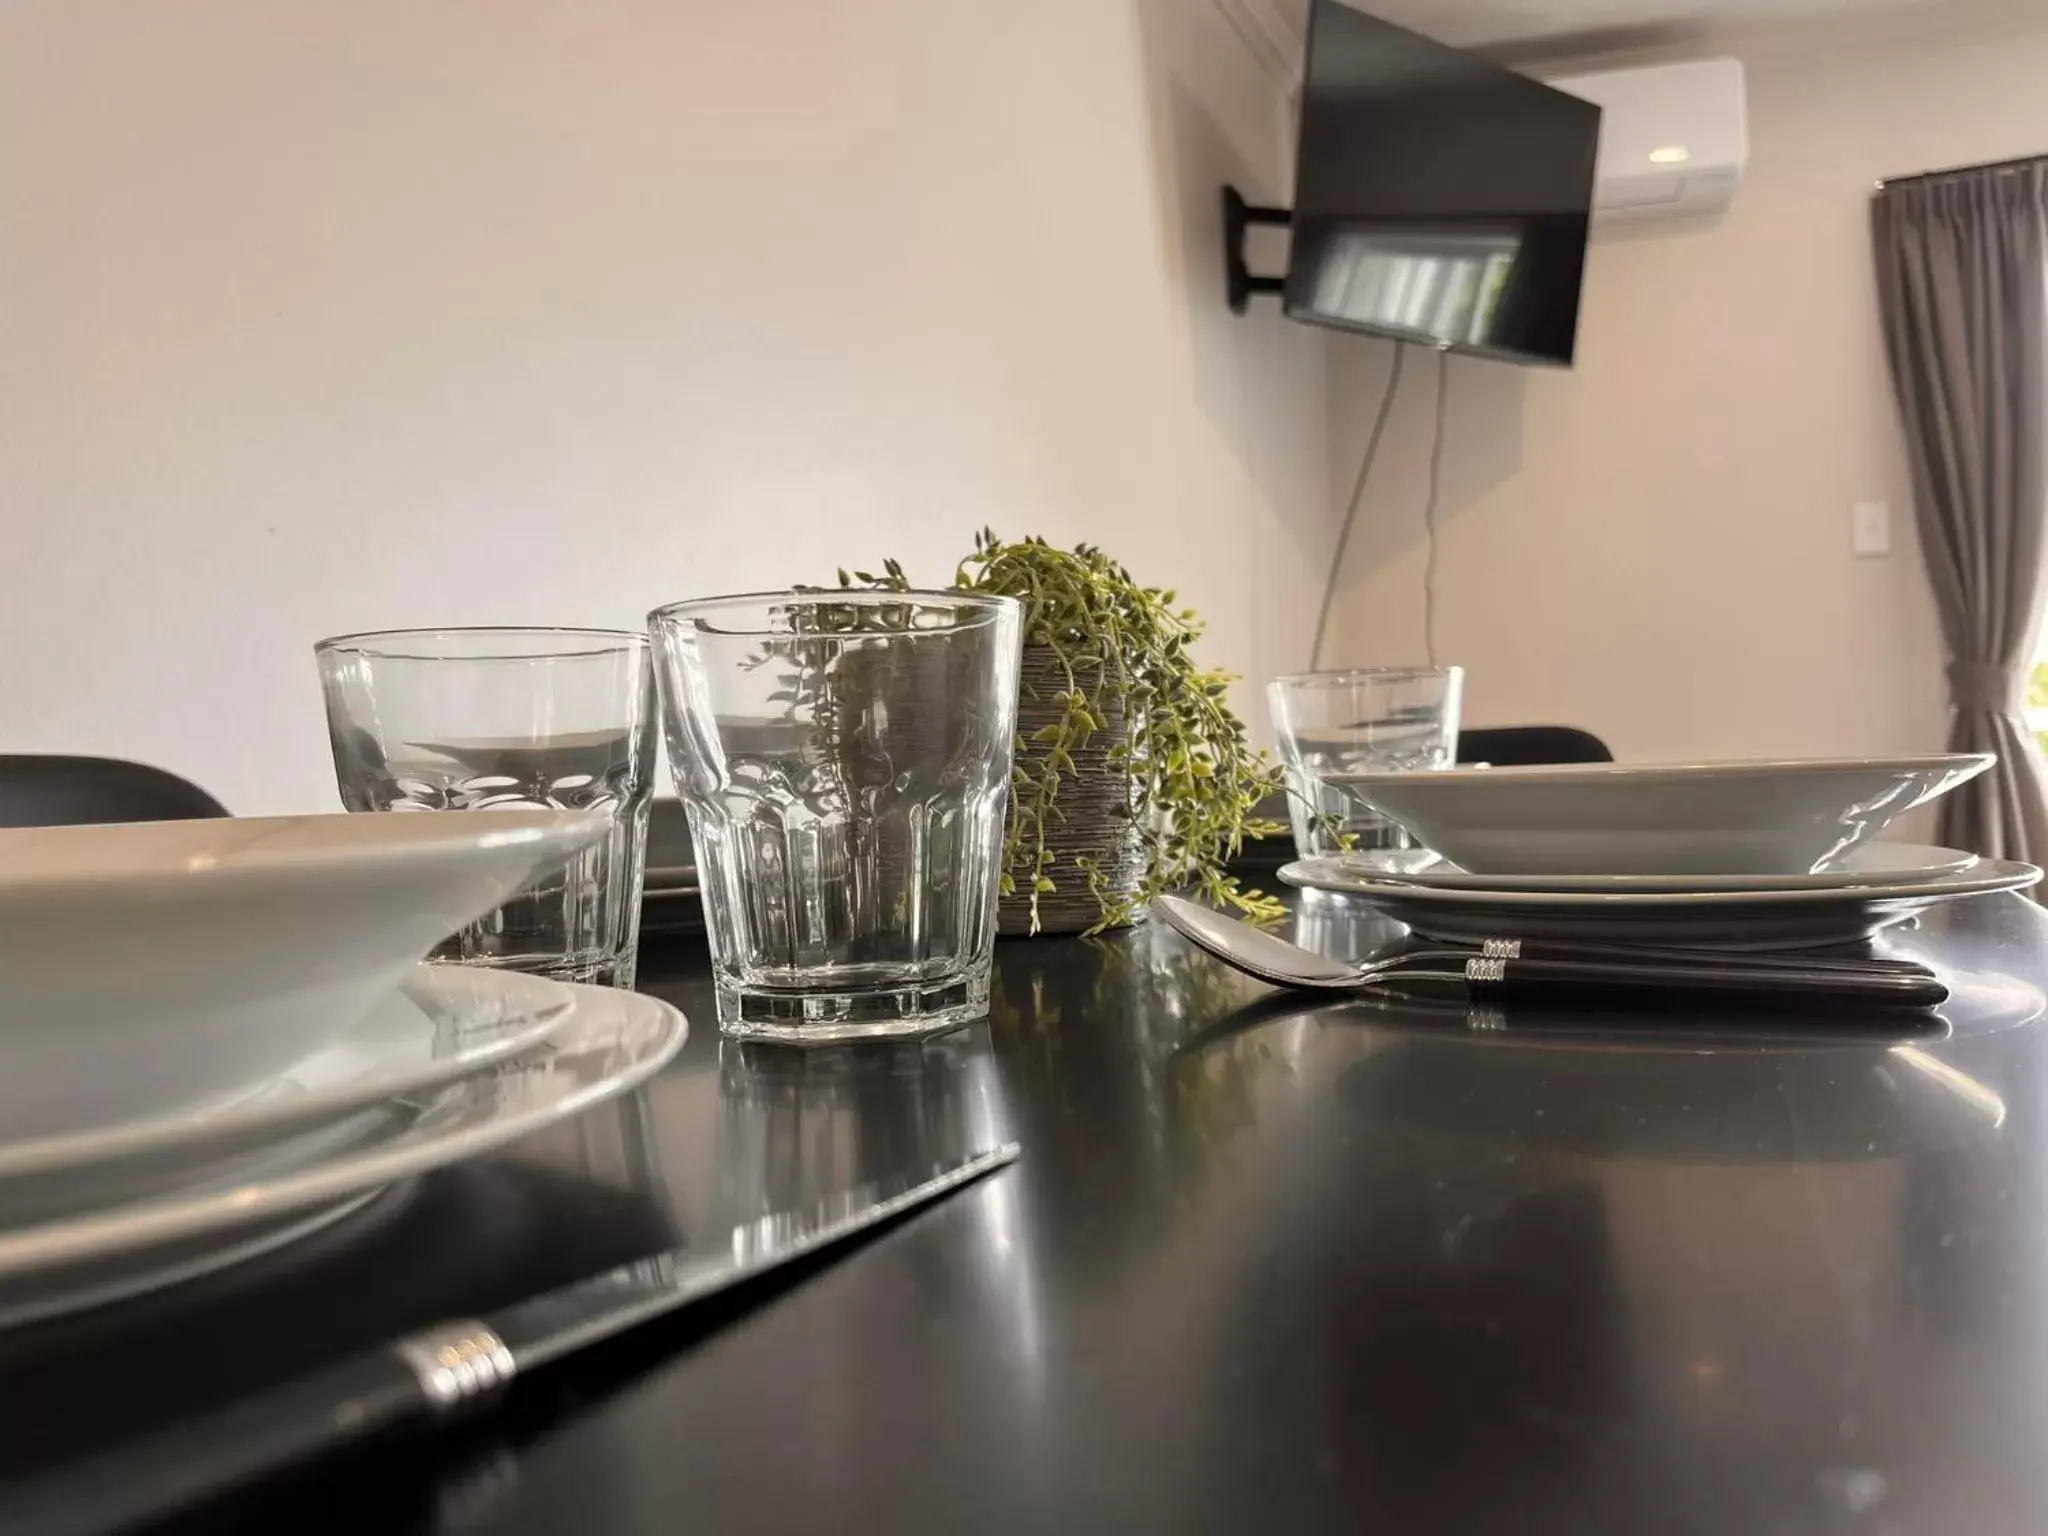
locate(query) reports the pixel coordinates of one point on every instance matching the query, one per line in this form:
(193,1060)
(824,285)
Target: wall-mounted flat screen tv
(1439,197)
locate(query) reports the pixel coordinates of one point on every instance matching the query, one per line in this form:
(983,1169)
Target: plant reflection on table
(1106,1031)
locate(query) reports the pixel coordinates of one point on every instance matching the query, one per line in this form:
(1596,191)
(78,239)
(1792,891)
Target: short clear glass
(845,761)
(510,719)
(1369,719)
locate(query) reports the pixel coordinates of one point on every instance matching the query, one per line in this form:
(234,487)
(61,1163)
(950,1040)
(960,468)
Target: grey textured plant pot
(1094,800)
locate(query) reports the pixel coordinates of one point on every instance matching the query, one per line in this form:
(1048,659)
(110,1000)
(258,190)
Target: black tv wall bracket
(1238,216)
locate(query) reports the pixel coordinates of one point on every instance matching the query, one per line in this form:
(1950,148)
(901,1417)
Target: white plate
(156,966)
(612,1042)
(1773,818)
(443,1023)
(1867,864)
(1794,919)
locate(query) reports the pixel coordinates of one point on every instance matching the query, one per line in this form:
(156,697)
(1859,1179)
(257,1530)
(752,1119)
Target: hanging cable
(1372,451)
(1436,475)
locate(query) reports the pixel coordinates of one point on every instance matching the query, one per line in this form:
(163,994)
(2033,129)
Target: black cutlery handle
(1516,949)
(246,1442)
(1665,984)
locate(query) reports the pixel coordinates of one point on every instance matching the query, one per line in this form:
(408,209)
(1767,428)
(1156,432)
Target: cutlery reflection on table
(1555,974)
(1693,1031)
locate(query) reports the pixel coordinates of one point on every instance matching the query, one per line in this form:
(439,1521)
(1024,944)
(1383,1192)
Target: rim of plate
(1760,767)
(259,853)
(1980,879)
(78,1151)
(1457,879)
(168,1218)
(243,1247)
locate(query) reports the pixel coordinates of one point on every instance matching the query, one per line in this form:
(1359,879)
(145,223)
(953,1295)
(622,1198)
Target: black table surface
(1267,1263)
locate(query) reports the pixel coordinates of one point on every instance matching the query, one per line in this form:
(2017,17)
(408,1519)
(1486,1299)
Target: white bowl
(152,966)
(1755,818)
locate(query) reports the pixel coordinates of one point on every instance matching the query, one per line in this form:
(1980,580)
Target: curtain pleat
(1962,269)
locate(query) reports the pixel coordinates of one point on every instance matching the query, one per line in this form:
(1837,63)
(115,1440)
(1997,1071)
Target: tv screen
(1438,197)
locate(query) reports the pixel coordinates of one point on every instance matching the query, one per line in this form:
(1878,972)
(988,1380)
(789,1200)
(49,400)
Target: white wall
(1656,545)
(319,315)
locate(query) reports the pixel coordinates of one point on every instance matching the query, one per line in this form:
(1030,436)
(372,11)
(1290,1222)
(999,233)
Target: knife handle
(1563,981)
(1517,949)
(419,1379)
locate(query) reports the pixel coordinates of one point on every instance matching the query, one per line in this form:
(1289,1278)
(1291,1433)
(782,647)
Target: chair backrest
(1513,746)
(40,791)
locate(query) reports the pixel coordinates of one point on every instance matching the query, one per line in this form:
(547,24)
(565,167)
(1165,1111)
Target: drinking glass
(845,761)
(1384,719)
(510,719)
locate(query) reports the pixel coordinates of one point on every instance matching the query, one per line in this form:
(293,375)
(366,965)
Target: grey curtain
(1962,270)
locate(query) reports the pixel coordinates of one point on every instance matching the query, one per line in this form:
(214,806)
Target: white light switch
(1870,530)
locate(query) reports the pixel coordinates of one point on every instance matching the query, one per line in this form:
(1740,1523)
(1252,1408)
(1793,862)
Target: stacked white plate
(1737,855)
(216,1037)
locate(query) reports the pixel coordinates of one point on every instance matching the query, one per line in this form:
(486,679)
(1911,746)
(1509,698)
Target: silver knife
(438,1373)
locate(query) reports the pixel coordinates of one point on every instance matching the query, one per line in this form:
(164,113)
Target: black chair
(1516,746)
(39,791)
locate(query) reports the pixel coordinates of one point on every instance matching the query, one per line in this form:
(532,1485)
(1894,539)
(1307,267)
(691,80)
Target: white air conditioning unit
(1674,138)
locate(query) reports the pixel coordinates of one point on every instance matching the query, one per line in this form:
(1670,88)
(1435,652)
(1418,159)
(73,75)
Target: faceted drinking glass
(845,761)
(510,719)
(1383,719)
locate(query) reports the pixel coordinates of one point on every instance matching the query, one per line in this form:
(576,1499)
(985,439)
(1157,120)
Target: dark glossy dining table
(1267,1263)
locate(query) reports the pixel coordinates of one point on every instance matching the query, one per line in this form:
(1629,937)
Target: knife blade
(445,1371)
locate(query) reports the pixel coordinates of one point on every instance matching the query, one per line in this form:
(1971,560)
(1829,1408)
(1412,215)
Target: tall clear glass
(510,719)
(845,761)
(1368,719)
